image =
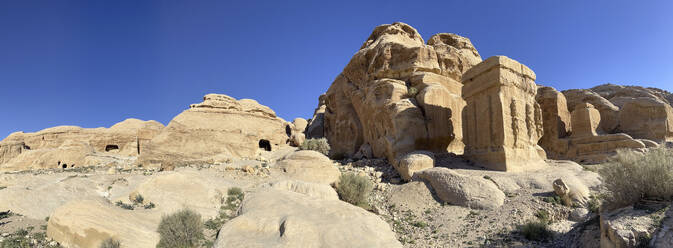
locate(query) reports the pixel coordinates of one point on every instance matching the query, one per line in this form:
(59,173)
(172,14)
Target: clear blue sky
(94,63)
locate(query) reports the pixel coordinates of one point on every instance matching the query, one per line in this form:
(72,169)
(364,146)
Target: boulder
(462,190)
(309,166)
(218,129)
(87,223)
(571,191)
(279,218)
(413,162)
(397,93)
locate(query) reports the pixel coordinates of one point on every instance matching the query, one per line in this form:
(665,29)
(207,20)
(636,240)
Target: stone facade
(502,122)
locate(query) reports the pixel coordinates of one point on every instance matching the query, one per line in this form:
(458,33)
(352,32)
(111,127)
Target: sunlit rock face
(399,94)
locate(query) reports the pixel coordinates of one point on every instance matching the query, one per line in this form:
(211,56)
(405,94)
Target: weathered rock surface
(575,136)
(68,146)
(398,95)
(664,236)
(642,113)
(413,162)
(626,228)
(502,121)
(463,190)
(279,218)
(217,129)
(309,166)
(87,223)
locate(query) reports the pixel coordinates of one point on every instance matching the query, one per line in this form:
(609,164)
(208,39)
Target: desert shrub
(354,189)
(139,199)
(124,205)
(150,205)
(543,216)
(411,92)
(319,145)
(535,230)
(594,204)
(110,243)
(235,196)
(182,229)
(630,177)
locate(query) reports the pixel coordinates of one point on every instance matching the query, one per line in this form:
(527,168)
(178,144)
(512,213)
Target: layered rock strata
(502,122)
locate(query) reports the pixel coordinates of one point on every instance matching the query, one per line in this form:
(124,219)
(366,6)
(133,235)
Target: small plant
(110,243)
(535,230)
(411,92)
(124,205)
(419,224)
(139,199)
(631,177)
(553,200)
(3,187)
(543,216)
(235,196)
(354,189)
(594,204)
(181,229)
(150,205)
(319,145)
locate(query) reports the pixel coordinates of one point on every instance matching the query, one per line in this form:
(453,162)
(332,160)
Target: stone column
(502,122)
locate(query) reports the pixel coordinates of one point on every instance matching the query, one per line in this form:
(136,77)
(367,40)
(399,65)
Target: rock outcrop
(309,166)
(68,146)
(87,223)
(577,136)
(502,121)
(642,113)
(279,218)
(463,190)
(215,130)
(398,95)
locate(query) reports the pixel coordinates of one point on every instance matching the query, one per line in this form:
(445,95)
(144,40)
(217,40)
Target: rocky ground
(412,210)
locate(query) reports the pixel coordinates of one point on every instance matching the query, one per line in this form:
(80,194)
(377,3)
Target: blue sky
(95,63)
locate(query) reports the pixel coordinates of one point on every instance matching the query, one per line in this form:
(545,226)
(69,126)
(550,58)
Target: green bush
(235,196)
(630,177)
(411,92)
(543,216)
(319,145)
(535,230)
(354,189)
(139,199)
(182,229)
(110,243)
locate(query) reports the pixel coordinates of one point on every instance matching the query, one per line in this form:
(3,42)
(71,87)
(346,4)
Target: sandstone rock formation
(413,162)
(463,190)
(217,129)
(502,121)
(309,166)
(68,146)
(577,136)
(398,95)
(642,113)
(627,227)
(87,223)
(279,218)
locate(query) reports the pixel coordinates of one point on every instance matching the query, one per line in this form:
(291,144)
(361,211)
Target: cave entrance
(265,144)
(111,148)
